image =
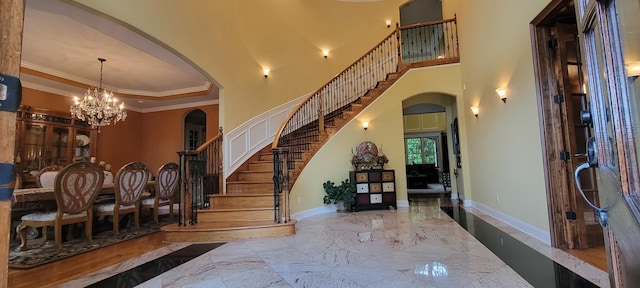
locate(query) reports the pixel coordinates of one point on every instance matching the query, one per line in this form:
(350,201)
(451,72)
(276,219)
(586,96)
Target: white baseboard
(402,204)
(332,209)
(315,211)
(525,227)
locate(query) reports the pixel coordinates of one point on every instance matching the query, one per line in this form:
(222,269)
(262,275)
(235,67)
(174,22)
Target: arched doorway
(195,129)
(428,123)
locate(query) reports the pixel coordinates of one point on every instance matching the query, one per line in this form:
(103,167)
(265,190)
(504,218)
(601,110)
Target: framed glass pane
(430,151)
(422,150)
(413,148)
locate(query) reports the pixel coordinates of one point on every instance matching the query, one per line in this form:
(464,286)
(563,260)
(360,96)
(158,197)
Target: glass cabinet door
(59,152)
(82,151)
(33,148)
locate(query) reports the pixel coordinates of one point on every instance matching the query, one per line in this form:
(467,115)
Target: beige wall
(425,122)
(504,144)
(332,162)
(232,41)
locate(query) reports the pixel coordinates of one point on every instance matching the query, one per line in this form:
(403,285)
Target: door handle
(592,162)
(602,213)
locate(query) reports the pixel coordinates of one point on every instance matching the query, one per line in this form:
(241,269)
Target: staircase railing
(200,177)
(426,44)
(430,43)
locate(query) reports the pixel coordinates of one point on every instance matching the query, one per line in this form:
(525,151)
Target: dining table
(46,193)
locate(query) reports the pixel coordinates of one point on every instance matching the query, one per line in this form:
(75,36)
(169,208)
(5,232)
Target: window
(193,140)
(422,150)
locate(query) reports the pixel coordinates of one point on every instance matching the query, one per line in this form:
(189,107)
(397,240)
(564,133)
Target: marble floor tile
(419,246)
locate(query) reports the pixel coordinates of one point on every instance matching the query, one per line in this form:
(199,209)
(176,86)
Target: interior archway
(195,129)
(428,139)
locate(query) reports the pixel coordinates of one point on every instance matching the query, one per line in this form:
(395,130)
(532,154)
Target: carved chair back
(130,182)
(47,176)
(77,186)
(167,180)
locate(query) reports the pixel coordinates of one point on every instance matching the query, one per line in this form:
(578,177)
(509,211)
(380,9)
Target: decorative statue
(367,157)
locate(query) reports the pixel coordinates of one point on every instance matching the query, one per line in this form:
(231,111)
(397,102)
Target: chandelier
(98,107)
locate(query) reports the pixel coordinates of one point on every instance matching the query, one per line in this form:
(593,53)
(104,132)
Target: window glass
(422,150)
(429,150)
(413,146)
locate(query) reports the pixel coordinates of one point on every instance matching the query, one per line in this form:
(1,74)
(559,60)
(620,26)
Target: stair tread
(249,182)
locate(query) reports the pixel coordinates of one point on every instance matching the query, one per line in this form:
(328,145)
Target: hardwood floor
(73,267)
(594,256)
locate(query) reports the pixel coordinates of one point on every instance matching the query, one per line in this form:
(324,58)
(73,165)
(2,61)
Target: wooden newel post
(11,23)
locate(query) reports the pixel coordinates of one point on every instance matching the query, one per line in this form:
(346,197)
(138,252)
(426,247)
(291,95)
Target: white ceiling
(64,41)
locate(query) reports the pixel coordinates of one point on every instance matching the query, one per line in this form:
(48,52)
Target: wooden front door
(562,98)
(572,99)
(611,48)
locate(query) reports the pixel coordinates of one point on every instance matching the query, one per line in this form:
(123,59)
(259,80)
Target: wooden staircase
(247,208)
(244,212)
(340,118)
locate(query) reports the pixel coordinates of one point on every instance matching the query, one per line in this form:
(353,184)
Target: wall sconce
(365,125)
(633,69)
(388,23)
(325,53)
(266,72)
(502,93)
(474,110)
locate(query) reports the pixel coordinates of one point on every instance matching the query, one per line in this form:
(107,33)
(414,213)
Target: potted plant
(344,194)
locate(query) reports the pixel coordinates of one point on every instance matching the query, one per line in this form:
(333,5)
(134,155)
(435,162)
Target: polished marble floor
(419,246)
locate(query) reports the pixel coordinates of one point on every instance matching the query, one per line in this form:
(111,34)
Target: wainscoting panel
(255,134)
(238,146)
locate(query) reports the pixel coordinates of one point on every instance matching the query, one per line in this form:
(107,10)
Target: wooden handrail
(294,111)
(428,23)
(346,94)
(205,144)
(368,53)
(200,177)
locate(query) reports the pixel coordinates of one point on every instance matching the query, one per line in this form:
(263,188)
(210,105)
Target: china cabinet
(47,138)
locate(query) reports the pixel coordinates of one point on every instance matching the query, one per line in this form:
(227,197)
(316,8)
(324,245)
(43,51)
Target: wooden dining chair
(47,175)
(166,186)
(76,187)
(129,185)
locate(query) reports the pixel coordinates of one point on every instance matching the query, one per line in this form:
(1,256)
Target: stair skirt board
(249,214)
(194,233)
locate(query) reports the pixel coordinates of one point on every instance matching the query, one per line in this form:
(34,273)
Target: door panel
(614,113)
(583,231)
